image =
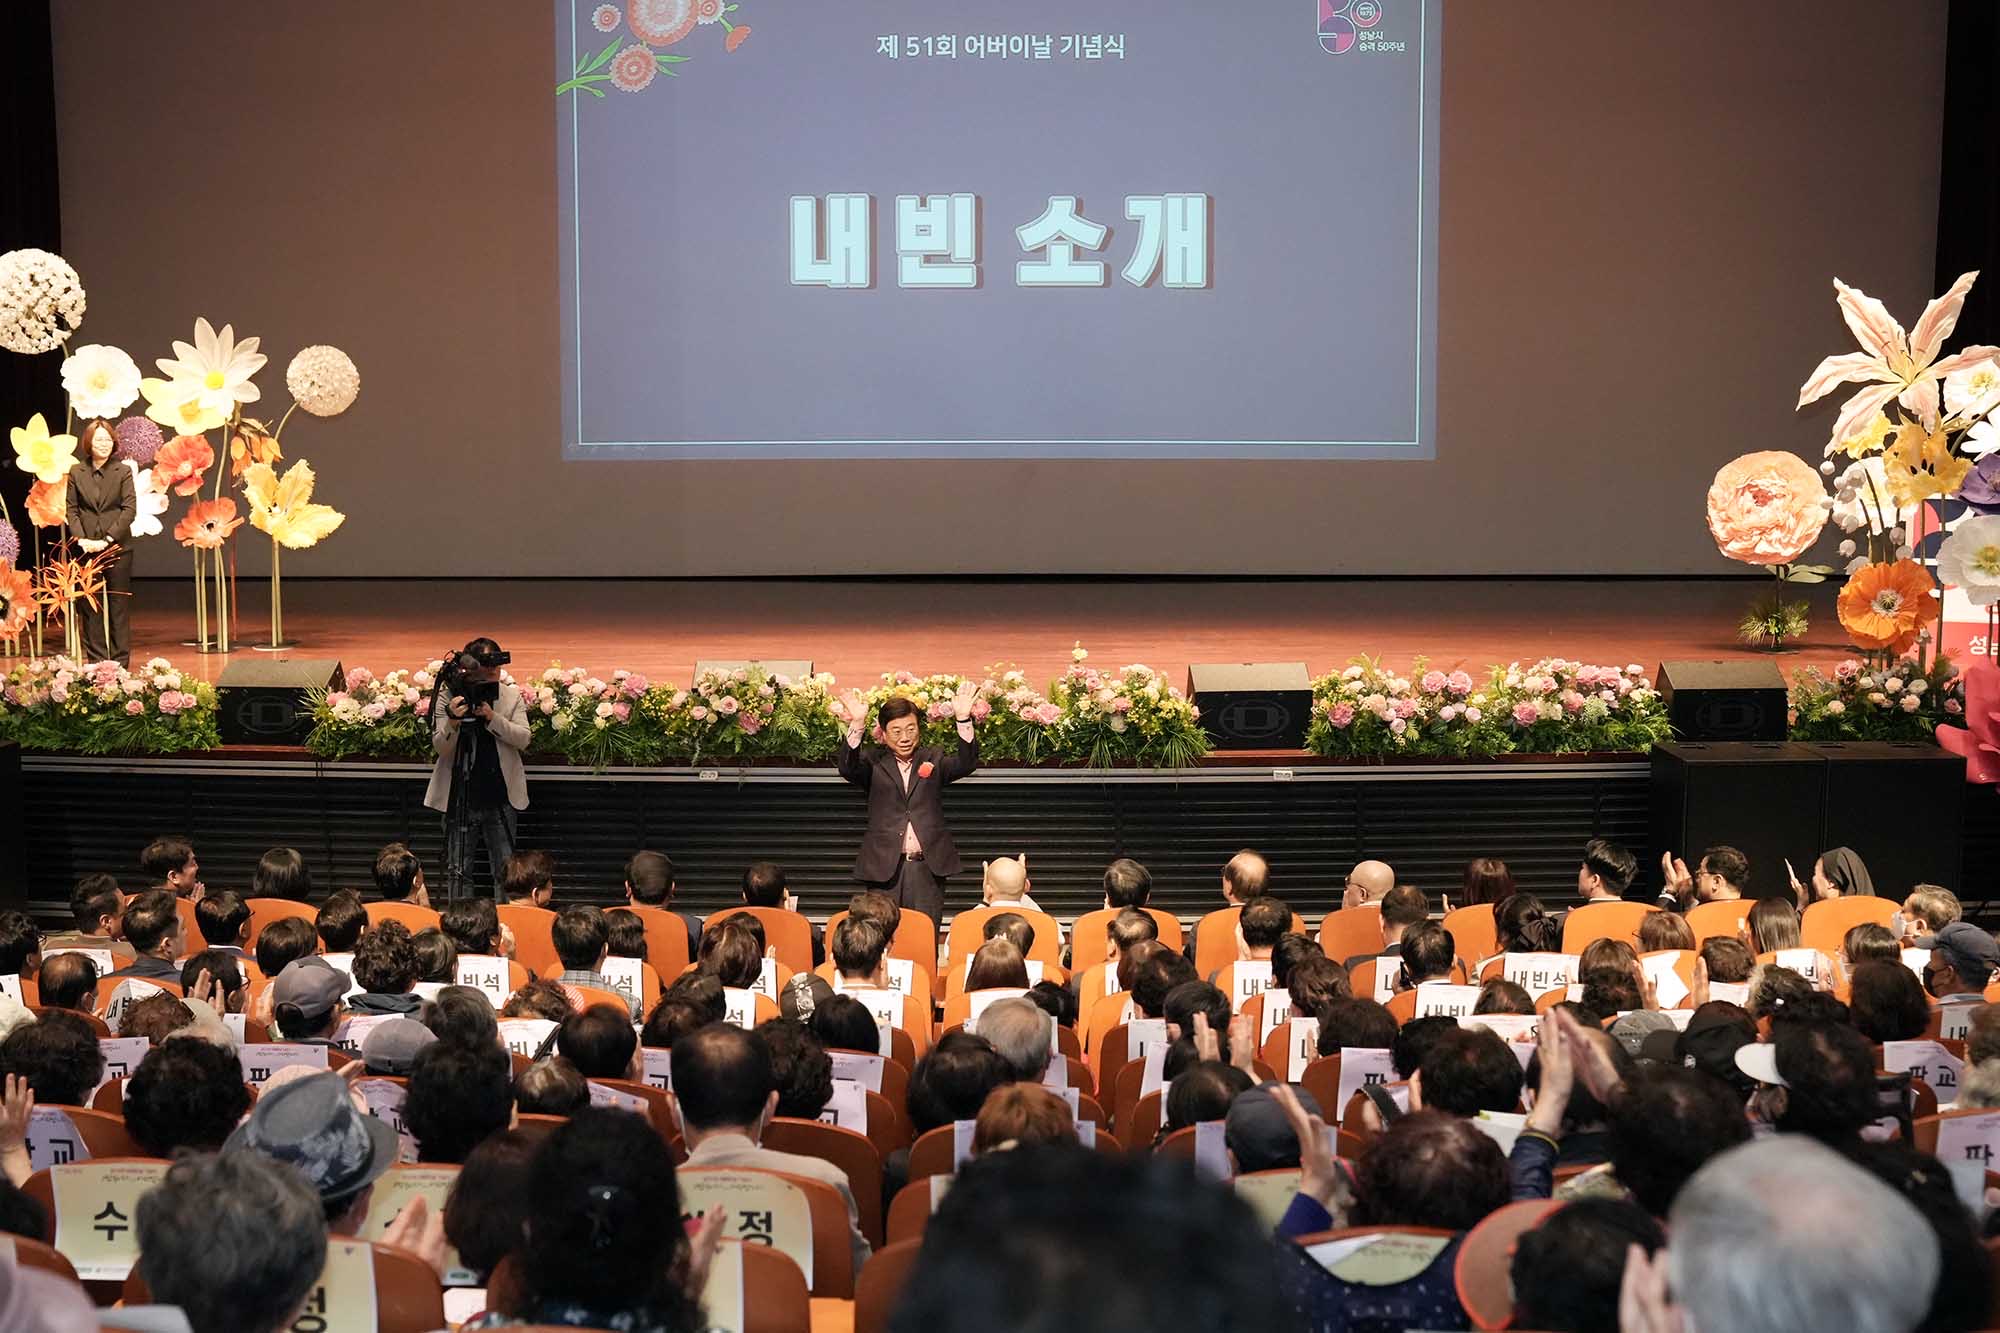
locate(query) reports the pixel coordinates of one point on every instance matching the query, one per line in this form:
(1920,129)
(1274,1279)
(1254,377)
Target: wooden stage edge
(859,628)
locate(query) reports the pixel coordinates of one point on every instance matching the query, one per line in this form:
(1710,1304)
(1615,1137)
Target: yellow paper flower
(1871,438)
(49,457)
(1920,465)
(182,407)
(283,508)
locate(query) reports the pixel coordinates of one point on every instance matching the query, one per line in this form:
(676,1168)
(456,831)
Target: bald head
(1368,882)
(1246,876)
(1006,879)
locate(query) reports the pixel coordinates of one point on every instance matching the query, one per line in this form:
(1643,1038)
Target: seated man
(1466,1071)
(1003,882)
(59,1058)
(1606,872)
(649,882)
(460,1096)
(1962,961)
(1019,1032)
(1128,928)
(306,1001)
(385,967)
(312,1124)
(764,886)
(67,981)
(600,1042)
(97,909)
(800,1066)
(860,954)
(727,1094)
(153,928)
(20,945)
(551,1086)
(1402,907)
(473,927)
(1246,875)
(186,1093)
(529,880)
(235,1242)
(1428,953)
(399,876)
(1263,921)
(1721,875)
(1369,882)
(170,864)
(223,919)
(340,921)
(583,942)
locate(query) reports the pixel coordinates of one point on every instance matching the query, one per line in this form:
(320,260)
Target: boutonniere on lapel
(926,768)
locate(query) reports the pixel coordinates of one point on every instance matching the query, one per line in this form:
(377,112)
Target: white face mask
(1897,926)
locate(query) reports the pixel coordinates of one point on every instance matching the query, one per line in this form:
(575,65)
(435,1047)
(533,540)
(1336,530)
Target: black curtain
(30,212)
(1969,198)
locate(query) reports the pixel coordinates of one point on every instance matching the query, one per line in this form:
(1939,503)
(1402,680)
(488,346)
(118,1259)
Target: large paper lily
(283,508)
(1894,365)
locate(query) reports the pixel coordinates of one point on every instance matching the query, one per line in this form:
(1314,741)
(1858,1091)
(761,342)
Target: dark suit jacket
(889,808)
(101,505)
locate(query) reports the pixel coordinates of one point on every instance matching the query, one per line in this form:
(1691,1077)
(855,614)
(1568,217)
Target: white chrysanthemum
(152,503)
(101,381)
(41,301)
(323,380)
(216,365)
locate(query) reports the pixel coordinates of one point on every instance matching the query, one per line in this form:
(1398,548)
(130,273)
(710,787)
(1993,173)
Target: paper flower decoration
(737,36)
(17,602)
(247,447)
(207,524)
(1882,604)
(323,380)
(10,545)
(139,439)
(632,69)
(48,503)
(1920,465)
(1861,498)
(101,381)
(660,22)
(1973,391)
(219,365)
(284,507)
(1896,367)
(41,301)
(182,407)
(152,502)
(1969,560)
(49,457)
(181,462)
(1766,508)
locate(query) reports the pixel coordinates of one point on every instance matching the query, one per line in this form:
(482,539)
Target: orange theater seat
(1707,920)
(666,939)
(854,1153)
(881,1285)
(1350,932)
(790,933)
(1473,930)
(1215,940)
(263,911)
(1826,922)
(1602,921)
(1088,934)
(534,940)
(413,917)
(968,933)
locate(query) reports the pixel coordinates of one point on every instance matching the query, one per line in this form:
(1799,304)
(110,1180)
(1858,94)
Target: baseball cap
(1759,1059)
(1258,1132)
(1969,950)
(391,1048)
(313,985)
(313,1125)
(803,994)
(1632,1029)
(1709,1043)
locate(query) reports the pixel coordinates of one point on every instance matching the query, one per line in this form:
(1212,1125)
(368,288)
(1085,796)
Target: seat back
(1402,1006)
(767,1286)
(1215,939)
(910,1211)
(1602,921)
(191,940)
(539,1127)
(855,1154)
(1707,920)
(787,932)
(660,1112)
(414,917)
(408,1296)
(589,997)
(1826,922)
(967,934)
(1089,934)
(1322,1080)
(915,939)
(114,1011)
(1142,1124)
(533,929)
(1349,932)
(1474,930)
(799,1208)
(32,1253)
(881,1285)
(666,939)
(931,1154)
(97,1025)
(263,911)
(1482,1270)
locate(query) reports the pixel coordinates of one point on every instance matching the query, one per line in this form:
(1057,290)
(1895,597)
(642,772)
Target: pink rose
(134,707)
(1432,682)
(1398,727)
(170,702)
(1572,702)
(357,677)
(1048,714)
(981,710)
(59,693)
(1525,714)
(374,712)
(698,713)
(727,706)
(1341,714)
(1404,708)
(1847,670)
(635,685)
(1473,715)
(335,698)
(1953,706)
(1460,682)
(622,711)
(1121,705)
(424,706)
(749,725)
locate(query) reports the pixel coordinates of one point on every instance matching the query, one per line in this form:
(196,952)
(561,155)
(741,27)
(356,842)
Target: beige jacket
(509,727)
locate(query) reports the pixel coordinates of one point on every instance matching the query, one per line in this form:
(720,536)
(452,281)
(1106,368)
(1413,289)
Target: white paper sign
(1086,1133)
(1250,976)
(961,1141)
(1387,969)
(658,1067)
(1444,999)
(121,1056)
(1508,1027)
(1360,1066)
(1539,973)
(617,1099)
(856,1067)
(1969,1138)
(766,983)
(344,962)
(1503,1127)
(1056,1075)
(1917,960)
(979,1001)
(354,1030)
(902,974)
(53,1139)
(524,1036)
(627,979)
(385,1102)
(261,1059)
(1929,1061)
(11,984)
(485,974)
(234,1022)
(847,1107)
(1811,964)
(1211,1150)
(1667,984)
(739,1007)
(886,1008)
(1736,992)
(1301,1048)
(1956,1021)
(1142,1035)
(428,990)
(1155,1071)
(124,995)
(1277,1009)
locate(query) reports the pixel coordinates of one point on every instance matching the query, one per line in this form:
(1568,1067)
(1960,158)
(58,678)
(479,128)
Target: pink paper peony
(134,707)
(1341,714)
(1433,682)
(1526,714)
(1766,508)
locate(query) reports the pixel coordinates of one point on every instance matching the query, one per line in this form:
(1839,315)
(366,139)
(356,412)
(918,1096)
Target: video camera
(459,663)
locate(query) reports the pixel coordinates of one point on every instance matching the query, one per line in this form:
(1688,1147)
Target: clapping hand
(1207,1046)
(702,1247)
(419,1231)
(1675,877)
(1643,1303)
(1558,1079)
(1698,992)
(17,1105)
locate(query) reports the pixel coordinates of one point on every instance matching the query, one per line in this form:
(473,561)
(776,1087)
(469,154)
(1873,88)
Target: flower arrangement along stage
(1904,701)
(57,703)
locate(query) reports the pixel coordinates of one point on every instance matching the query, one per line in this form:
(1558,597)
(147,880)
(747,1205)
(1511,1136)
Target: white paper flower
(323,380)
(41,301)
(1981,440)
(217,363)
(101,381)
(1861,497)
(1970,559)
(152,503)
(1973,391)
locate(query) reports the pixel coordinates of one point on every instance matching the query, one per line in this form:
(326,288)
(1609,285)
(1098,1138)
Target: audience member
(1127,885)
(311,1123)
(1291,950)
(1352,1021)
(1721,875)
(224,922)
(1368,883)
(1888,1002)
(1982,1042)
(1414,1039)
(600,1042)
(20,945)
(486,1213)
(843,1023)
(764,885)
(1244,877)
(549,1086)
(624,934)
(306,1001)
(1772,988)
(1606,873)
(1961,1296)
(169,863)
(1770,925)
(1487,880)
(583,942)
(1566,1271)
(436,957)
(1263,921)
(1022,1115)
(385,968)
(1054,999)
(67,981)
(391,1048)
(1659,931)
(951,1081)
(399,876)
(1816,1079)
(860,953)
(1501,996)
(153,929)
(1011,927)
(458,1097)
(1003,882)
(800,1068)
(186,1093)
(1130,927)
(1869,942)
(463,1015)
(529,880)
(1466,1071)
(473,927)
(59,1058)
(1928,910)
(282,873)
(729,952)
(538,999)
(1428,955)
(1259,1131)
(1838,873)
(1202,1092)
(97,915)
(235,1242)
(285,940)
(649,883)
(1963,959)
(1525,926)
(675,1016)
(997,964)
(1019,1033)
(1726,959)
(340,921)
(154,1017)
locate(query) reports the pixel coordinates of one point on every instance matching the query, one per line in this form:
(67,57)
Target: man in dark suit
(908,852)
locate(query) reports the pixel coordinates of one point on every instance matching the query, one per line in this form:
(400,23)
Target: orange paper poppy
(47,503)
(181,462)
(17,601)
(207,524)
(1882,605)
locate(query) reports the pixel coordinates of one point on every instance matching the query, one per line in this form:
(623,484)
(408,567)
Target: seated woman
(1022,1115)
(1773,924)
(999,962)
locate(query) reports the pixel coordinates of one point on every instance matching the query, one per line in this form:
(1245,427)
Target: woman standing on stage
(99,510)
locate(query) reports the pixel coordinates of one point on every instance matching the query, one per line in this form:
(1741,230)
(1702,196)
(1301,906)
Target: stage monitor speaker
(1724,701)
(1924,843)
(13,830)
(1763,799)
(790,668)
(264,702)
(1253,705)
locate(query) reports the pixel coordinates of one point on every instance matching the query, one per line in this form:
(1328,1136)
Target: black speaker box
(1253,705)
(264,702)
(1901,807)
(13,829)
(1724,701)
(1764,799)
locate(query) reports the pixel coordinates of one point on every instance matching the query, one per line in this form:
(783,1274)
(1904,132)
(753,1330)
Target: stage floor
(861,627)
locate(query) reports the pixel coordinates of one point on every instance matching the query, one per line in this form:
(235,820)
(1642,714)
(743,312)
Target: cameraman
(478,783)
